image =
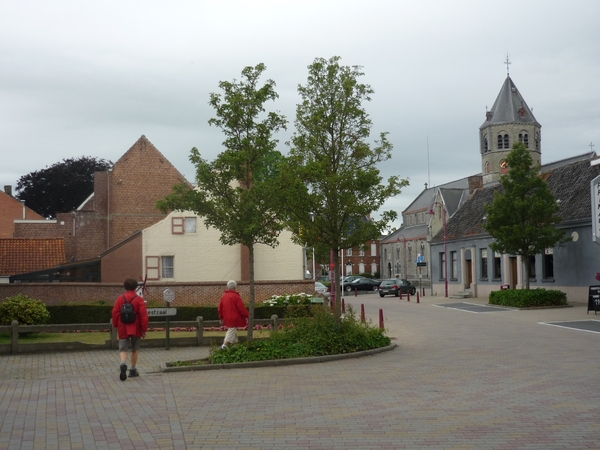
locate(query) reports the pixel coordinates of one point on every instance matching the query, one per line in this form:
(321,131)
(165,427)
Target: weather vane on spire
(508,63)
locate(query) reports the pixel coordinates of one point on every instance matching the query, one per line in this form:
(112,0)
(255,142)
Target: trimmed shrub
(23,309)
(528,298)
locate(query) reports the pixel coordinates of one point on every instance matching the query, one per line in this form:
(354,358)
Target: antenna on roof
(508,63)
(591,147)
(428,179)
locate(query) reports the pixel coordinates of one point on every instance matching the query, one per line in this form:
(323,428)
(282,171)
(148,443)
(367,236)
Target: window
(442,265)
(386,257)
(361,267)
(524,138)
(177,225)
(167,267)
(548,264)
(499,141)
(190,224)
(153,267)
(484,264)
(373,249)
(454,266)
(373,268)
(506,142)
(349,252)
(497,266)
(361,250)
(487,167)
(532,267)
(485,144)
(537,141)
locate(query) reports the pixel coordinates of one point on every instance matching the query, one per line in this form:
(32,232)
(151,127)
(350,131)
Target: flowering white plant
(289,299)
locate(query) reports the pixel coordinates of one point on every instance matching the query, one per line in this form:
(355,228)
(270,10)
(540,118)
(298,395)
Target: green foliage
(528,298)
(521,218)
(23,309)
(330,182)
(318,335)
(290,299)
(62,187)
(234,192)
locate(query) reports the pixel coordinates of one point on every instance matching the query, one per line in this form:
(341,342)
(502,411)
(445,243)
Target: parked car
(349,279)
(395,286)
(321,289)
(362,284)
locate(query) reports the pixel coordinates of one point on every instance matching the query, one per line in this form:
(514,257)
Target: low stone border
(278,362)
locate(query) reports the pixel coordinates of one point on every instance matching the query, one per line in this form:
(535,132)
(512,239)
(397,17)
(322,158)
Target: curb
(279,362)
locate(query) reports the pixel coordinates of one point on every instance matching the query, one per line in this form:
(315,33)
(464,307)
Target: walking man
(130,317)
(232,313)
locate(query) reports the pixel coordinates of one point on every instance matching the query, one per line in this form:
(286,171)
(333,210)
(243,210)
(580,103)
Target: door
(469,273)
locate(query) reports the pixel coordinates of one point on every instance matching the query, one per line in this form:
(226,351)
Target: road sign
(168,295)
(161,312)
(421,264)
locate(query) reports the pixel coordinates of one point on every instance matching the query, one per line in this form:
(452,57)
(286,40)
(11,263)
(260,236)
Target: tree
(522,216)
(234,191)
(330,184)
(62,187)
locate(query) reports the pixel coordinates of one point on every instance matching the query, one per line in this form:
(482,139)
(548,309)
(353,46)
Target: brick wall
(186,294)
(125,261)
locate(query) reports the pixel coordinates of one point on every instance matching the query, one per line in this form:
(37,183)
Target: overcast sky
(89,78)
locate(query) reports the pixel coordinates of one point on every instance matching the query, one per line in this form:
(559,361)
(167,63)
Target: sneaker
(134,373)
(224,347)
(123,375)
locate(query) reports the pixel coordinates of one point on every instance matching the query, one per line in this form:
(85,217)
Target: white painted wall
(200,256)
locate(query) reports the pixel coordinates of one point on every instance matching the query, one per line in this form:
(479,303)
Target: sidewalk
(459,380)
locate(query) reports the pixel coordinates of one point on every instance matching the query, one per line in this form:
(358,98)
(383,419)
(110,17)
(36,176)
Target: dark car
(395,286)
(362,284)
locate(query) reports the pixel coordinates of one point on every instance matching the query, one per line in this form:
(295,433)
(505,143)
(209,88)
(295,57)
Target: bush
(23,309)
(528,298)
(319,335)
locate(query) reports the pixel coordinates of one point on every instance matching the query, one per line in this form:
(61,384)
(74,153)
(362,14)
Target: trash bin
(504,286)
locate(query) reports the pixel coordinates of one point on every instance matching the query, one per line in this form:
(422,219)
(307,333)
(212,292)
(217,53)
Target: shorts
(131,343)
(231,336)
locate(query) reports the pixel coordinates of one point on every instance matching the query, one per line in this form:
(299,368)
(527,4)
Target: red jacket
(232,311)
(137,328)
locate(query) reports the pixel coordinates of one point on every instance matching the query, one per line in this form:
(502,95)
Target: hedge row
(102,313)
(528,298)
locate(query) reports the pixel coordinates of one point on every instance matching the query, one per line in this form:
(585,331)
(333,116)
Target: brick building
(121,205)
(11,210)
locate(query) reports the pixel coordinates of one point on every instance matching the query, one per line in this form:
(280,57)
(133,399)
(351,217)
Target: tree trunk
(338,288)
(527,271)
(251,305)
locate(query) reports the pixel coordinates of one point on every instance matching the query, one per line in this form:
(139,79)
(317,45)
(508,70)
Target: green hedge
(528,298)
(102,313)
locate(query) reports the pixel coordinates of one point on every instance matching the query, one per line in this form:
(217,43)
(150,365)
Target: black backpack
(127,311)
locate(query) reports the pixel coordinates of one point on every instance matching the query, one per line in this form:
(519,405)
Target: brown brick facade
(122,204)
(186,294)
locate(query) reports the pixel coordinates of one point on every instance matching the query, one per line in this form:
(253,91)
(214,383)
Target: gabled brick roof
(29,255)
(569,183)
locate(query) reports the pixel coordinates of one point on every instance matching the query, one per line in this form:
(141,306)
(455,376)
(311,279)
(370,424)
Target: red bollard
(343,305)
(400,292)
(417,297)
(362,312)
(381,319)
(355,292)
(423,292)
(408,296)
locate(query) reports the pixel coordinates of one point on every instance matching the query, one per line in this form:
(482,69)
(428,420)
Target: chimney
(475,182)
(8,189)
(24,209)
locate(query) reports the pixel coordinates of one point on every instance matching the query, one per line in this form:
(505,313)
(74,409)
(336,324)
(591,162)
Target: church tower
(509,121)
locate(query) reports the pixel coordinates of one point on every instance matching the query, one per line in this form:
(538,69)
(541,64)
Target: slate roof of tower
(569,183)
(509,107)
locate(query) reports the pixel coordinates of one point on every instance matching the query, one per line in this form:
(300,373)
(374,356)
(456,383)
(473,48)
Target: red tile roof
(29,255)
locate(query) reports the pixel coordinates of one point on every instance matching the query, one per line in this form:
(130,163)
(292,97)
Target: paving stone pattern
(458,380)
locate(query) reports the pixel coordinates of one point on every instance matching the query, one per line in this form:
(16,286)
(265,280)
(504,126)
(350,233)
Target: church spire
(509,121)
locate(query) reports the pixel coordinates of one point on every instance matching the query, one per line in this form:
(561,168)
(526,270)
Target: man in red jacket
(130,334)
(232,313)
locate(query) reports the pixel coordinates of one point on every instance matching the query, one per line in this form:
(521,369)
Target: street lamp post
(445,245)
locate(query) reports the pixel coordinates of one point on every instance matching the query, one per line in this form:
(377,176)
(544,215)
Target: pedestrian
(232,313)
(130,334)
